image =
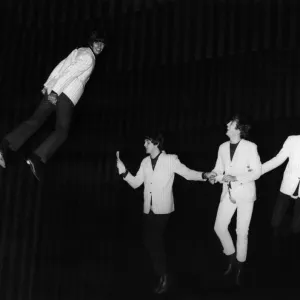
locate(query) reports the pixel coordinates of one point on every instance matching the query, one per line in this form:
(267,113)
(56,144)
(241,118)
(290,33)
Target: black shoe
(163,284)
(36,166)
(231,265)
(239,272)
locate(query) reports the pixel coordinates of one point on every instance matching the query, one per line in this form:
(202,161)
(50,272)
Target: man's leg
(64,110)
(16,138)
(281,206)
(243,219)
(295,239)
(154,229)
(296,217)
(225,212)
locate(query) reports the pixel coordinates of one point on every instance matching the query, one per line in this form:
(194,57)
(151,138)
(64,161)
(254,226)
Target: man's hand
(229,178)
(52,98)
(120,165)
(44,90)
(210,176)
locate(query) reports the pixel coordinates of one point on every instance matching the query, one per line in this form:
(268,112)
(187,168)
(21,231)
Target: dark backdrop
(182,66)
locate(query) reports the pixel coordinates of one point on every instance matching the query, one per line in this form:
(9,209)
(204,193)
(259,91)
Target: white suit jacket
(71,74)
(158,183)
(245,165)
(291,176)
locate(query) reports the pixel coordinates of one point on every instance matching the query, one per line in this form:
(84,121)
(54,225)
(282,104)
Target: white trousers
(225,212)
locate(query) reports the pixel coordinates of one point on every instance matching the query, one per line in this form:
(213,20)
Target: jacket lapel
(149,165)
(157,163)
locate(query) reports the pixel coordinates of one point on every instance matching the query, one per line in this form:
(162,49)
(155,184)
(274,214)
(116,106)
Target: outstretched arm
(133,181)
(278,159)
(184,171)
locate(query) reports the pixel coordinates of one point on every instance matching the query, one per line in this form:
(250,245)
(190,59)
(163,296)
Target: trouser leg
(64,110)
(154,229)
(244,215)
(280,209)
(25,130)
(296,217)
(225,212)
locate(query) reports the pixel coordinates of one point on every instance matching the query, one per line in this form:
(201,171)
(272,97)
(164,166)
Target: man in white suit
(237,167)
(157,172)
(61,91)
(289,189)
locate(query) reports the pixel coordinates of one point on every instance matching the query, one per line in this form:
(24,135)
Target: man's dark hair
(156,139)
(96,37)
(242,123)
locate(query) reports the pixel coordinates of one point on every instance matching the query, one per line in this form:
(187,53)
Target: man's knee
(276,220)
(242,233)
(295,228)
(150,243)
(63,131)
(34,122)
(63,125)
(219,228)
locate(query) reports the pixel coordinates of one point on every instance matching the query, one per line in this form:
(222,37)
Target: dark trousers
(64,109)
(153,235)
(282,204)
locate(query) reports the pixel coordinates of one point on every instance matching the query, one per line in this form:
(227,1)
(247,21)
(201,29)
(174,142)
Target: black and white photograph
(149,149)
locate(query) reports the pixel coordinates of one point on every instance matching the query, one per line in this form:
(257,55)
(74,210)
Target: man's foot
(163,284)
(36,166)
(239,273)
(231,264)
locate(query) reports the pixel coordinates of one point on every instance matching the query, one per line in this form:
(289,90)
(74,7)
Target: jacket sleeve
(254,167)
(137,180)
(76,68)
(184,171)
(56,71)
(278,159)
(219,167)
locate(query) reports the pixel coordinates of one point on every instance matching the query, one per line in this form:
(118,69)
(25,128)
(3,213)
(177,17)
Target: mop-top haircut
(95,38)
(156,139)
(242,123)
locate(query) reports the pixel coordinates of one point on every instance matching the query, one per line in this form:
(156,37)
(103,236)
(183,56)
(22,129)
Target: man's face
(98,47)
(231,129)
(149,146)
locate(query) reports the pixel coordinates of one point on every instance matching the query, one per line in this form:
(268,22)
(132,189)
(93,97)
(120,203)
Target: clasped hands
(52,97)
(211,176)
